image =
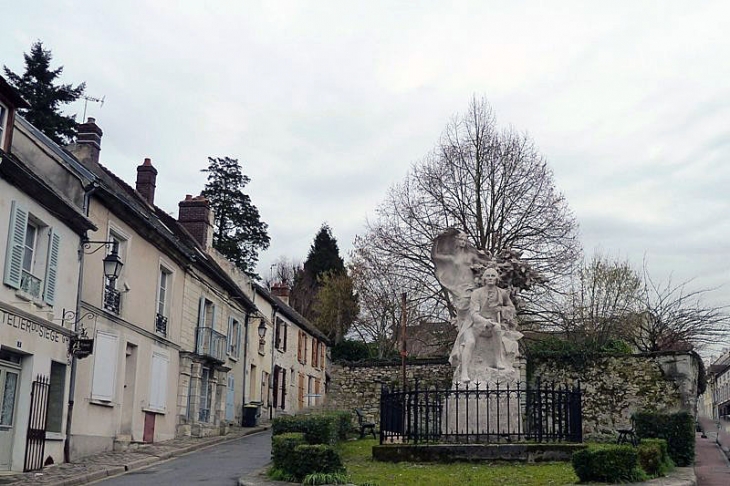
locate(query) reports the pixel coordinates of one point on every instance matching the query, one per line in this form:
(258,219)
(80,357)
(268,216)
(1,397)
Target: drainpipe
(245,364)
(88,191)
(273,350)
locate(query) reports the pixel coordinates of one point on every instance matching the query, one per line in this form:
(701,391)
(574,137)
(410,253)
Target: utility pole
(403,348)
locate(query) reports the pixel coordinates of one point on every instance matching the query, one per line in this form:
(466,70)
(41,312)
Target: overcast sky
(327,104)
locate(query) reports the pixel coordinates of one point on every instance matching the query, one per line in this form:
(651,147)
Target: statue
(486,345)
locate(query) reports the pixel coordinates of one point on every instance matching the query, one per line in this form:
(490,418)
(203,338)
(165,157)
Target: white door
(230,410)
(8,399)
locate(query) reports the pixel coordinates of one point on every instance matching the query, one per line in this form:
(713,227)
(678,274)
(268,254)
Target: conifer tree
(323,257)
(239,234)
(37,86)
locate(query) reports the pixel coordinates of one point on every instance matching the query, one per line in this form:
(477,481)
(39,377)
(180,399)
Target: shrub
(343,420)
(282,450)
(319,458)
(678,429)
(653,456)
(317,428)
(350,350)
(607,463)
(315,479)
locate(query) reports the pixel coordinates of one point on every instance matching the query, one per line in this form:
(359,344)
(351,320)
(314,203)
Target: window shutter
(14,252)
(201,323)
(238,340)
(229,336)
(213,313)
(54,246)
(158,382)
(286,333)
(283,389)
(105,366)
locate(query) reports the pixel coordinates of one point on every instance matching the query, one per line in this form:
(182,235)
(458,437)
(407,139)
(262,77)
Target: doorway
(9,377)
(130,377)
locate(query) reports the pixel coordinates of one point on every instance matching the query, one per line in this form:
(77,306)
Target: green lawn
(363,469)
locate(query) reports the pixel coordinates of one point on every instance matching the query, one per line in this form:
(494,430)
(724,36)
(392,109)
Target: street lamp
(262,330)
(112,263)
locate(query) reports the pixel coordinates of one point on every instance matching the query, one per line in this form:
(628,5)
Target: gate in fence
(35,442)
(481,414)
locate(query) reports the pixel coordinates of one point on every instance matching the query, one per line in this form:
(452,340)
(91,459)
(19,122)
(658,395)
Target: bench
(364,425)
(627,435)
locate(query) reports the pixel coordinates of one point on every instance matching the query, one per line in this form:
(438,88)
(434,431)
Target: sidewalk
(711,463)
(106,464)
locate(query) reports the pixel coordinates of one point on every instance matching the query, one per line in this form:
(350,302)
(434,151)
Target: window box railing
(211,343)
(112,299)
(161,324)
(30,284)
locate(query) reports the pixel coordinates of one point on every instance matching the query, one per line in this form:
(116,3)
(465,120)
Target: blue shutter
(14,252)
(201,323)
(54,246)
(229,337)
(238,340)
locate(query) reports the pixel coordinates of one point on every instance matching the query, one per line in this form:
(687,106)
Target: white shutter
(16,239)
(54,246)
(158,382)
(105,366)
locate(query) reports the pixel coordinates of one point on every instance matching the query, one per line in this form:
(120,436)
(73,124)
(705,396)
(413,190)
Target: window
(234,337)
(162,296)
(158,382)
(253,386)
(281,333)
(321,355)
(105,366)
(206,395)
(32,255)
(55,397)
(279,388)
(302,349)
(314,352)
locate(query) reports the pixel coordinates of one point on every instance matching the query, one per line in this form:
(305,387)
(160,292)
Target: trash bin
(251,414)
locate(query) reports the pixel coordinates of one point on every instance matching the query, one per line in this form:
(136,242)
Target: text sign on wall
(32,327)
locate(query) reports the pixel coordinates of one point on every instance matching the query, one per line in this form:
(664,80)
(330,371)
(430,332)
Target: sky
(326,104)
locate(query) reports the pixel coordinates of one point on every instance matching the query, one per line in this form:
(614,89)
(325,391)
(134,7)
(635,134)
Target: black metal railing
(481,414)
(35,439)
(112,299)
(161,324)
(211,343)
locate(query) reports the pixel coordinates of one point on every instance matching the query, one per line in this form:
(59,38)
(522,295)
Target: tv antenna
(93,100)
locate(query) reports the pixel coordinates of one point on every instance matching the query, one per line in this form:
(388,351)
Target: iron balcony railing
(481,414)
(30,284)
(211,343)
(161,324)
(112,299)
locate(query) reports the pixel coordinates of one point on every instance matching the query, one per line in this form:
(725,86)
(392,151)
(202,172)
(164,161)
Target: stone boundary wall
(613,387)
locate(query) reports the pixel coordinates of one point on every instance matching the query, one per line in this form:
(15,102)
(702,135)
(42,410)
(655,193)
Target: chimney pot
(146,181)
(87,146)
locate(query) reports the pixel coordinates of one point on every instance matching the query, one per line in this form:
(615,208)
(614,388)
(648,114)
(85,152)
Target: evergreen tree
(37,86)
(239,233)
(323,257)
(335,305)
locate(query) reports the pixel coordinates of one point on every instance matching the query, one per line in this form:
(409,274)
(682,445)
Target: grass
(357,456)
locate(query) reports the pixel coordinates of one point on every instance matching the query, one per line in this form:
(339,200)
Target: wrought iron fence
(481,414)
(30,284)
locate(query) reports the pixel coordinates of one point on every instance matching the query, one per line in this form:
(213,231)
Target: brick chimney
(87,146)
(146,178)
(196,216)
(281,290)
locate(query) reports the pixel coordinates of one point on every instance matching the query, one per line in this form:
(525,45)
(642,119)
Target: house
(41,212)
(719,385)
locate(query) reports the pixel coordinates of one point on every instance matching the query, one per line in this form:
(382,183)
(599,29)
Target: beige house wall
(115,423)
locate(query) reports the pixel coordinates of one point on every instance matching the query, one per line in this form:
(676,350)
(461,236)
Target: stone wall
(613,387)
(357,385)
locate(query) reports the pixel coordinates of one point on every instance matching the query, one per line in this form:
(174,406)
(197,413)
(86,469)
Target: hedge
(678,429)
(317,429)
(607,463)
(282,449)
(318,458)
(653,456)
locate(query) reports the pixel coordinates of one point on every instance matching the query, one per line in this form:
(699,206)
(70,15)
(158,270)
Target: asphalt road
(220,465)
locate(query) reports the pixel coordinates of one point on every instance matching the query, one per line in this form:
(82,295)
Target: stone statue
(486,345)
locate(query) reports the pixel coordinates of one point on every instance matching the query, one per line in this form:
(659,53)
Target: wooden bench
(627,435)
(364,425)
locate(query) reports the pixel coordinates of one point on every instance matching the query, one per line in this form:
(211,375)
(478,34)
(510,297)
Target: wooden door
(149,427)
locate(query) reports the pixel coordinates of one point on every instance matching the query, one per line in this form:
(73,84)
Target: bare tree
(283,271)
(493,185)
(677,318)
(601,302)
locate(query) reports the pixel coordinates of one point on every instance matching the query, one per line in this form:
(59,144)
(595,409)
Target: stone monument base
(481,417)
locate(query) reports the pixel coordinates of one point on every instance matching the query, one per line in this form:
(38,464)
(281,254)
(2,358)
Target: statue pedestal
(482,417)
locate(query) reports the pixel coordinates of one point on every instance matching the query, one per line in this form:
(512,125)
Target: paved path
(711,464)
(108,464)
(220,465)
